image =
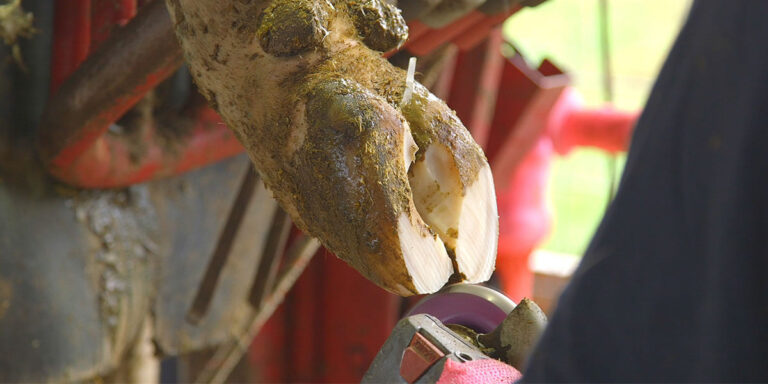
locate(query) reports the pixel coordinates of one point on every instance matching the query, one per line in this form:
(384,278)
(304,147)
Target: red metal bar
(126,11)
(442,87)
(287,347)
(128,62)
(107,15)
(475,84)
(429,41)
(523,106)
(334,323)
(102,21)
(358,317)
(604,128)
(466,32)
(572,125)
(415,30)
(305,311)
(268,355)
(519,85)
(476,33)
(114,161)
(72,31)
(74,142)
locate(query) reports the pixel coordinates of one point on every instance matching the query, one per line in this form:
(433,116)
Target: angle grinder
(460,323)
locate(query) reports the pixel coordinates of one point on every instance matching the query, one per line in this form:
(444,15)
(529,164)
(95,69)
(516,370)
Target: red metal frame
(89,156)
(475,85)
(521,116)
(328,329)
(466,32)
(334,321)
(72,38)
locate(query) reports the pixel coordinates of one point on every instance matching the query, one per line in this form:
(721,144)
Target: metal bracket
(393,358)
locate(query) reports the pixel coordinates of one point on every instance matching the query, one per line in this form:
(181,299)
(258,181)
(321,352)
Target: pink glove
(488,371)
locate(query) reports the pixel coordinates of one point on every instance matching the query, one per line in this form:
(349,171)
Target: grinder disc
(475,306)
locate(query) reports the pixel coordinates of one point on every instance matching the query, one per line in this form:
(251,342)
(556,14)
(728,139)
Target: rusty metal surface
(74,287)
(51,327)
(47,302)
(79,270)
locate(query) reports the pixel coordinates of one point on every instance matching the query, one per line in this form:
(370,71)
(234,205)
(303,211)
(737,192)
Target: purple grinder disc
(479,308)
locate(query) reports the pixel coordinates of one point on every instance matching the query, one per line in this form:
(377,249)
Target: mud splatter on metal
(122,221)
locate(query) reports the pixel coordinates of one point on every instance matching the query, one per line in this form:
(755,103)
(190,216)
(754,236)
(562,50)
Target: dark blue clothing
(674,286)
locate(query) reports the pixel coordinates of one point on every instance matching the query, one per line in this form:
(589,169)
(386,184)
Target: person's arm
(672,287)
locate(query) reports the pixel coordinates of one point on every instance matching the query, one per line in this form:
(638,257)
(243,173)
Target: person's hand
(376,167)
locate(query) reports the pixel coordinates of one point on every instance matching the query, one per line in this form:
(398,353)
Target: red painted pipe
(571,125)
(432,39)
(465,33)
(121,160)
(74,141)
(107,15)
(72,31)
(477,32)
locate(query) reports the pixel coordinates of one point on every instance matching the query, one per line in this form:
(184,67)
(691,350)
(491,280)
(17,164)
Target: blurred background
(567,32)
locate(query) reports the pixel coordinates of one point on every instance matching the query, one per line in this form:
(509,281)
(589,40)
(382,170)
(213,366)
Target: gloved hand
(511,342)
(361,157)
(488,371)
